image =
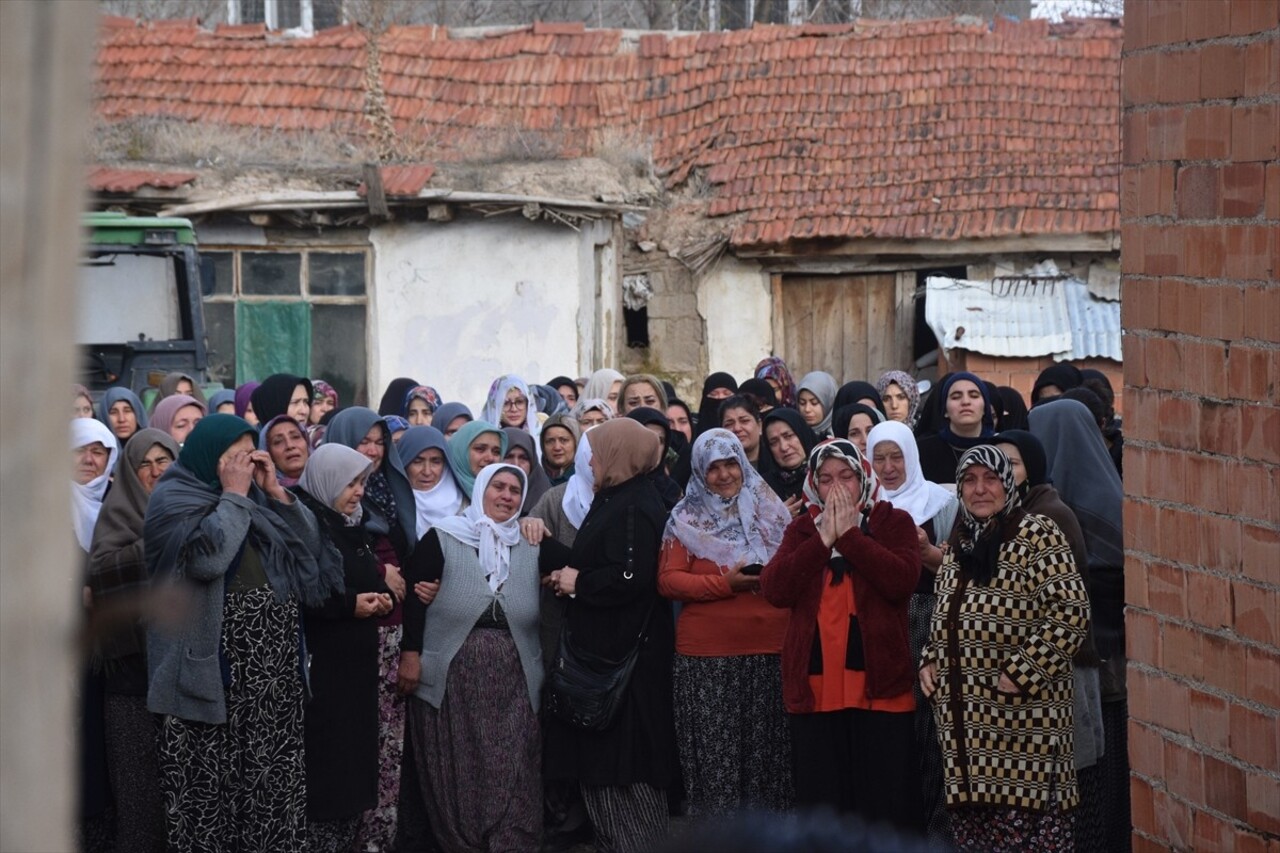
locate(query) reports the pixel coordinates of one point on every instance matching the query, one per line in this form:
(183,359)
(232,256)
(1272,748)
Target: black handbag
(584,689)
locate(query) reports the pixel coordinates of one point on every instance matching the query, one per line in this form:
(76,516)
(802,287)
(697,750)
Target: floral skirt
(240,787)
(995,829)
(378,825)
(738,761)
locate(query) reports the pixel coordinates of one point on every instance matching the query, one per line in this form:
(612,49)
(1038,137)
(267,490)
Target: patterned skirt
(735,745)
(992,829)
(378,825)
(479,756)
(241,786)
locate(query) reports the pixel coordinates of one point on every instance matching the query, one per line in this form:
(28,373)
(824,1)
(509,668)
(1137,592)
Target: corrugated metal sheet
(1025,318)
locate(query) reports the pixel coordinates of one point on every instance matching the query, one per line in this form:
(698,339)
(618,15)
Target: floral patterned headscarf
(776,369)
(843,449)
(746,528)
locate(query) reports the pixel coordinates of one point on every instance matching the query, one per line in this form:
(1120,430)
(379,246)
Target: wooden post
(46,49)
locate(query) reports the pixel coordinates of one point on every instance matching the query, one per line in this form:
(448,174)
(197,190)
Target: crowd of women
(592,606)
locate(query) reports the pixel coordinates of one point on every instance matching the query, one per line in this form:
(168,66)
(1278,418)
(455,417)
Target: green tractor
(140,304)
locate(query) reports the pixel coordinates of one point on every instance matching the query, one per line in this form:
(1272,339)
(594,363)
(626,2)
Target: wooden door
(846,325)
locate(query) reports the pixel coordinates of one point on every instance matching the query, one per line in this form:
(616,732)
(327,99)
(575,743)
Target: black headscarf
(392,402)
(1064,376)
(666,486)
(1033,456)
(840,418)
(1011,409)
(852,392)
(272,397)
(761,392)
(787,484)
(933,408)
(708,408)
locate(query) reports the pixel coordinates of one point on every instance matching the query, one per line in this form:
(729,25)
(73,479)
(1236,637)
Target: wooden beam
(377,197)
(1049,243)
(46,52)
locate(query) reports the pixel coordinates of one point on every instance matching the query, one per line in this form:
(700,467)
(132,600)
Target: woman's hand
(840,514)
(738,582)
(794,505)
(409,673)
(371,605)
(235,472)
(930,555)
(264,475)
(1006,685)
(565,581)
(534,530)
(394,580)
(928,679)
(426,591)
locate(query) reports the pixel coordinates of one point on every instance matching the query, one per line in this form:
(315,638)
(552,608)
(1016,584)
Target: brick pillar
(1201,236)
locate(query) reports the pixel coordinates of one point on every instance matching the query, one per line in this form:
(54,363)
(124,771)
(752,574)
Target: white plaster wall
(457,304)
(736,304)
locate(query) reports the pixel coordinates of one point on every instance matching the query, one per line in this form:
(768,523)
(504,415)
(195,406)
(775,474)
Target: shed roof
(1023,318)
(940,129)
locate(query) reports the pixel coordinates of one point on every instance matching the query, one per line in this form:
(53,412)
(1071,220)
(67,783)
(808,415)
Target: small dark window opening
(637,290)
(637,323)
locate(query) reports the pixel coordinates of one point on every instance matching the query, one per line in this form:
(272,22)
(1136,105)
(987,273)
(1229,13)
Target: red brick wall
(1021,373)
(1201,234)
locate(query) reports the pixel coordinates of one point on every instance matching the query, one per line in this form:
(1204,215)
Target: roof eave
(1105,241)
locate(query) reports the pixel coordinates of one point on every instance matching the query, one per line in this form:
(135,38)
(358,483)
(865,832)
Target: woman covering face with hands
(237,555)
(846,570)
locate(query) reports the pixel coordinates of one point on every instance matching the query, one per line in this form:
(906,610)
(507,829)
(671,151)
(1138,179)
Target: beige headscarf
(623,449)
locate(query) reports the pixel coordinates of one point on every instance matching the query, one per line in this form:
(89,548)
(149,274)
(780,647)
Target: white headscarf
(921,499)
(492,411)
(445,497)
(746,528)
(600,384)
(492,540)
(86,500)
(581,488)
(331,468)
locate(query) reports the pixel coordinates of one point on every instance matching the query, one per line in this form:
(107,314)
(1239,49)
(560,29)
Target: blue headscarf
(115,395)
(388,487)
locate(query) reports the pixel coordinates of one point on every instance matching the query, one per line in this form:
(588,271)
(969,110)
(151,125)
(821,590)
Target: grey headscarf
(393,497)
(329,471)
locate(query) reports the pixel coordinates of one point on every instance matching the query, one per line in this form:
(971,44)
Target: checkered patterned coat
(1004,749)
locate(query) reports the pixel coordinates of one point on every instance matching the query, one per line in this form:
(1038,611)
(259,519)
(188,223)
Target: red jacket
(885,568)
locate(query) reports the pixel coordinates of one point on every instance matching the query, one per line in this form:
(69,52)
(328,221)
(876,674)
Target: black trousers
(863,762)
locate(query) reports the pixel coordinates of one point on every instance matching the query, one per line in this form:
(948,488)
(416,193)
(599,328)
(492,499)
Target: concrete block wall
(1200,209)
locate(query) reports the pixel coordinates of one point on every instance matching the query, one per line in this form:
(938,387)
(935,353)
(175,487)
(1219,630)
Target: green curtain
(272,337)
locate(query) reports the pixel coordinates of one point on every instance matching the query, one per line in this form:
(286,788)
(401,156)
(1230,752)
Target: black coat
(341,719)
(615,592)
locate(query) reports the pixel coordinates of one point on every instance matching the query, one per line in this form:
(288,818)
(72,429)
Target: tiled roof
(935,129)
(402,181)
(104,179)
